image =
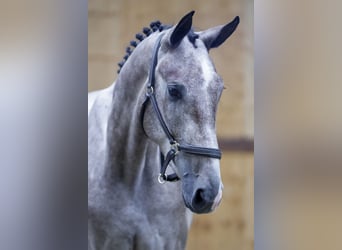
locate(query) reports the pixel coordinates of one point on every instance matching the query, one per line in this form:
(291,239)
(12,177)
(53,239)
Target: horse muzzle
(202,199)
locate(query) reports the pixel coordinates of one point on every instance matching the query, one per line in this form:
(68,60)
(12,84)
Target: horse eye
(175,91)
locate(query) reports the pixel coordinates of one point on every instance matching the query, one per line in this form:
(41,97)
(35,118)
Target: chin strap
(164,163)
(175,147)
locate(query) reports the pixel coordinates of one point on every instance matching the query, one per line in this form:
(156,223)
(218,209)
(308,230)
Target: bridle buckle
(175,147)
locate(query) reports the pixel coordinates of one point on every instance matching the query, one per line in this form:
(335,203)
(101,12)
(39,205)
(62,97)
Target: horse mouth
(217,200)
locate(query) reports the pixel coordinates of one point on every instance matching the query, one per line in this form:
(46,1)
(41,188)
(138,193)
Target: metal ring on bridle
(162,178)
(149,91)
(175,146)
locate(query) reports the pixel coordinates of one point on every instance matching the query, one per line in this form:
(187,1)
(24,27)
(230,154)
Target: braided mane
(154,27)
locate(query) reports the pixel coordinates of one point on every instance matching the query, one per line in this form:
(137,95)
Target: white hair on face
(207,68)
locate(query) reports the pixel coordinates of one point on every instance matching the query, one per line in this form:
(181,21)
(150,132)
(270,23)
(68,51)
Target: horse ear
(214,37)
(181,30)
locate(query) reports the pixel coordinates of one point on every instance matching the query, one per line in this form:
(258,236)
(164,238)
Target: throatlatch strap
(142,113)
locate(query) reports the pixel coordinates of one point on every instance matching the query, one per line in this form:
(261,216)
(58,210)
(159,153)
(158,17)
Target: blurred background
(298,139)
(113,23)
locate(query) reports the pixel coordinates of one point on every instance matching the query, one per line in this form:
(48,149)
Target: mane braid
(155,26)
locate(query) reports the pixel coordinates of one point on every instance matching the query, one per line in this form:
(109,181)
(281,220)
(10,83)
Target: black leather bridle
(175,146)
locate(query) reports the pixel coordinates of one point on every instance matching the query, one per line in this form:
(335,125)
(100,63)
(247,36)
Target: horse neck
(126,141)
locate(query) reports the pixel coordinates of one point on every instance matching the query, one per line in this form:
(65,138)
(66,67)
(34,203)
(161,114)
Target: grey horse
(128,207)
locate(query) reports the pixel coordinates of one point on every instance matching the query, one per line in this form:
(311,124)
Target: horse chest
(135,221)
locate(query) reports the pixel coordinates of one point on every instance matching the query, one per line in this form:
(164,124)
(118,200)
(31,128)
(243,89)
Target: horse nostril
(201,203)
(198,197)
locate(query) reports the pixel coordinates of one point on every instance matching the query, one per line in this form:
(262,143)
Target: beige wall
(231,226)
(113,23)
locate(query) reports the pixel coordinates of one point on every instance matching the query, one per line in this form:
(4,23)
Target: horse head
(187,89)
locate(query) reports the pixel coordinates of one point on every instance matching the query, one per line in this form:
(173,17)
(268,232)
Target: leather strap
(153,100)
(207,152)
(164,163)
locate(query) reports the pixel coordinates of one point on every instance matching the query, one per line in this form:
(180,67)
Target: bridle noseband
(175,147)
